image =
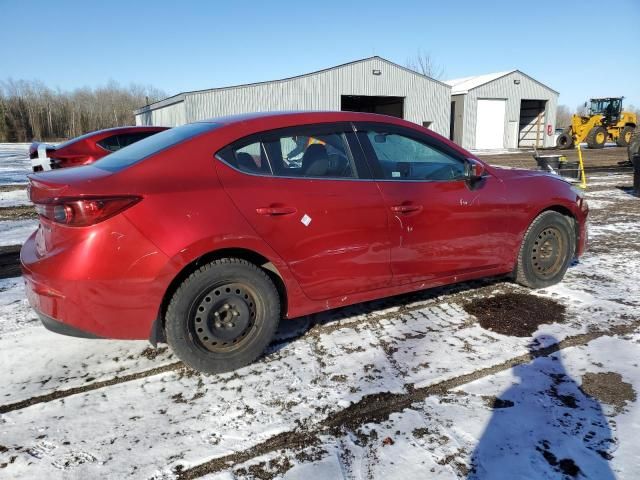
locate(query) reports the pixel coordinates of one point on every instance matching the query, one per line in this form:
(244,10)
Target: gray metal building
(502,110)
(370,85)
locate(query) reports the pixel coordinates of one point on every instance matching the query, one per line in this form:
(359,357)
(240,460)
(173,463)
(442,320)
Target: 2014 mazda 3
(206,235)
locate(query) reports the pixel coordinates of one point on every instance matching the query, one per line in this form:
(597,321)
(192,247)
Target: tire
(634,145)
(222,316)
(547,249)
(597,137)
(564,141)
(625,137)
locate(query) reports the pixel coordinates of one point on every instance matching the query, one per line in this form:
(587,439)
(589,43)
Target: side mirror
(474,169)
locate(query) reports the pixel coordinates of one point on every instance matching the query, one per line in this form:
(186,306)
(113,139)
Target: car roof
(305,117)
(129,128)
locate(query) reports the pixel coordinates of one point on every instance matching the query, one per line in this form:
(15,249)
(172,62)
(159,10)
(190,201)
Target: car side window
(246,156)
(311,154)
(111,143)
(405,158)
(299,152)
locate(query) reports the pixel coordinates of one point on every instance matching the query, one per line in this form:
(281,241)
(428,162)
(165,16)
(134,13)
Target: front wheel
(597,137)
(624,139)
(546,251)
(223,316)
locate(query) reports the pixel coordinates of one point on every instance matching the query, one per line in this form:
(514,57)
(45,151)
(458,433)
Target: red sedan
(87,148)
(207,234)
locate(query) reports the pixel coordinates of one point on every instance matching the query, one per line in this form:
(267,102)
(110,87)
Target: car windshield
(138,151)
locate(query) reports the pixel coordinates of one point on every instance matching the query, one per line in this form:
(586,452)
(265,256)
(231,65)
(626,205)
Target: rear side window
(151,145)
(316,152)
(110,143)
(126,139)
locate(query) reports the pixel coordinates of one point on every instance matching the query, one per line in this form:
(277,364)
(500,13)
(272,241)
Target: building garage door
(490,124)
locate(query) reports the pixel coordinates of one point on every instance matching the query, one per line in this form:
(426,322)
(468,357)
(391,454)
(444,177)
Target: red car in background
(87,148)
(205,235)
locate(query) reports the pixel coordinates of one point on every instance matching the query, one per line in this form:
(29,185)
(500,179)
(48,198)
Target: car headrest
(246,162)
(315,161)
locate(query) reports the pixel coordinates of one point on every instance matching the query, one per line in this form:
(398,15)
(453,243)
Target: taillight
(81,212)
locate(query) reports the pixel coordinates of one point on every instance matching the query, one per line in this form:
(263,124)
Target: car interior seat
(315,161)
(246,162)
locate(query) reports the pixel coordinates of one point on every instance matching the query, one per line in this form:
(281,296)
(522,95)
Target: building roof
(463,85)
(180,96)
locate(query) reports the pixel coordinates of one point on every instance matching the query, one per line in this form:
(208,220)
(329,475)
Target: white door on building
(490,124)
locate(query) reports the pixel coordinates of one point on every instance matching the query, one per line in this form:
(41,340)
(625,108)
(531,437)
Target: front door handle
(406,208)
(275,211)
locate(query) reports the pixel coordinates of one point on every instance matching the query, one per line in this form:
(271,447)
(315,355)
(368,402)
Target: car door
(440,224)
(308,193)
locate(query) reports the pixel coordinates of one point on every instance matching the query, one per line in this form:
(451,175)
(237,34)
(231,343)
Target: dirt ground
(605,157)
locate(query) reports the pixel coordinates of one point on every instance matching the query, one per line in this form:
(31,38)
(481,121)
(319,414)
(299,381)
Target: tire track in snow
(377,407)
(58,394)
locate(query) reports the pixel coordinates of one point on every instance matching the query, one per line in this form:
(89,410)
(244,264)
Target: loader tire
(625,137)
(634,145)
(597,137)
(564,141)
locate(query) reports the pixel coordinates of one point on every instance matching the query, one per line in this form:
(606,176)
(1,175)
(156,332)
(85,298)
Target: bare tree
(632,108)
(563,116)
(582,109)
(29,109)
(424,64)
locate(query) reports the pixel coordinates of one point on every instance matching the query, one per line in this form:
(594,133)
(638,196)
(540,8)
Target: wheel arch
(558,208)
(157,330)
(563,210)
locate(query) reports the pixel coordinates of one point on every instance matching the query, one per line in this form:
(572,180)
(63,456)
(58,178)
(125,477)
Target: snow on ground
(15,232)
(10,198)
(14,163)
(459,400)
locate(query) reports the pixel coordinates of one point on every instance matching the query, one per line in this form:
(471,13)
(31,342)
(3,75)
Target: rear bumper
(62,328)
(102,287)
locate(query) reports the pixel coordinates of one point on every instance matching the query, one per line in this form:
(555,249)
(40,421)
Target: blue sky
(581,48)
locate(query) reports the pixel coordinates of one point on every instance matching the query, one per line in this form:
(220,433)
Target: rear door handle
(406,208)
(275,211)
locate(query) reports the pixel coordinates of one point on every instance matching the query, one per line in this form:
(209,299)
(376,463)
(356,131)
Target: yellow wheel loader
(605,122)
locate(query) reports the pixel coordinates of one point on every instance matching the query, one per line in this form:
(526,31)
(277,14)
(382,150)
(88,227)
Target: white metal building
(502,110)
(369,85)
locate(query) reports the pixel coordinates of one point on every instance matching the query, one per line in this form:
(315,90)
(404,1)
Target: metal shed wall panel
(505,88)
(167,116)
(426,100)
(458,126)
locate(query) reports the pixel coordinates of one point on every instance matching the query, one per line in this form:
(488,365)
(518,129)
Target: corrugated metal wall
(458,112)
(426,100)
(505,88)
(167,116)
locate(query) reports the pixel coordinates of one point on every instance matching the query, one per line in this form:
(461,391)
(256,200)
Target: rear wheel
(546,251)
(597,137)
(223,316)
(625,137)
(564,141)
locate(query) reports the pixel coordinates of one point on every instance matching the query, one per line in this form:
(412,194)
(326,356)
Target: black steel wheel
(222,316)
(546,251)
